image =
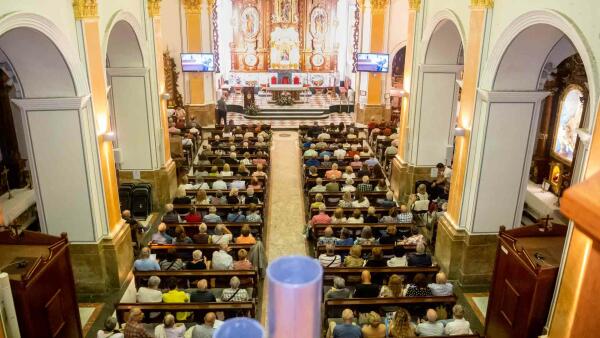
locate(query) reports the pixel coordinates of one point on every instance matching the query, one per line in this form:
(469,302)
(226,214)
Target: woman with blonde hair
(242,263)
(349,173)
(346,201)
(234,197)
(242,170)
(375,327)
(354,259)
(394,288)
(318,201)
(356,217)
(226,170)
(246,236)
(338,216)
(202,197)
(401,327)
(181,198)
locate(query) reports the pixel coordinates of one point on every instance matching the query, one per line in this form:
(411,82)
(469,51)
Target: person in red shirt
(320,218)
(193,216)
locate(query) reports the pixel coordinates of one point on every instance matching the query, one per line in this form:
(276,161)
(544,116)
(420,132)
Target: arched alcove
(129,96)
(437,102)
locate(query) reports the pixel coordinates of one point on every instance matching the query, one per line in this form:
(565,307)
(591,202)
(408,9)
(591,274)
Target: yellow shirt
(176,296)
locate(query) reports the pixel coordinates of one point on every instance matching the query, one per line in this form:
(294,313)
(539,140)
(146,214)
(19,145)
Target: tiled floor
(88,314)
(479,304)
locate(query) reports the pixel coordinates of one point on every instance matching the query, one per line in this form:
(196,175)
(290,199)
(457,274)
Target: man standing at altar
(222,109)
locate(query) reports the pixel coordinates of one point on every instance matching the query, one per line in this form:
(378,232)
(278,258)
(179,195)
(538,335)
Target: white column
(365,43)
(62,141)
(207,47)
(502,143)
(435,113)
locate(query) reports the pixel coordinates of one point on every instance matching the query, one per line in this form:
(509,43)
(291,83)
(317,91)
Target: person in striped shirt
(329,259)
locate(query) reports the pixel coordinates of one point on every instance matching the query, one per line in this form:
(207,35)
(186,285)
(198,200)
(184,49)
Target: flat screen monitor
(197,62)
(372,62)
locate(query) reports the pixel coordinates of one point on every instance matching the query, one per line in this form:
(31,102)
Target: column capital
(211,4)
(414,5)
(379,4)
(85,9)
(360,4)
(192,6)
(482,4)
(154,8)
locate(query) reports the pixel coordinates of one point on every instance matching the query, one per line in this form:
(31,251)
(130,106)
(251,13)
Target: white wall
(60,168)
(436,117)
(173,33)
(507,138)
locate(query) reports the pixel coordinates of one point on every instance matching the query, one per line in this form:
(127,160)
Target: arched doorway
(508,124)
(437,103)
(57,126)
(130,97)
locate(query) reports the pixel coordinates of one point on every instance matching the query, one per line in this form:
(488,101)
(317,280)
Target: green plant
(252,110)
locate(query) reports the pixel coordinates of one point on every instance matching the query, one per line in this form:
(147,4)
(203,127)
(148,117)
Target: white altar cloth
(285,87)
(21,200)
(543,203)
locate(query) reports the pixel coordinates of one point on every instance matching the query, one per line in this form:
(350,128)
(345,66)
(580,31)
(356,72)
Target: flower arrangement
(285,99)
(252,110)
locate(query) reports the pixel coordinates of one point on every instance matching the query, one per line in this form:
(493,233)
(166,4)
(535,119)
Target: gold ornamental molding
(192,6)
(482,4)
(211,4)
(361,4)
(154,8)
(85,9)
(414,5)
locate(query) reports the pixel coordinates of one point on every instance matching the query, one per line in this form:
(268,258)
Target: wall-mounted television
(197,62)
(372,62)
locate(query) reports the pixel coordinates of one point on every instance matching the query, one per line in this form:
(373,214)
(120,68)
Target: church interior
(299,168)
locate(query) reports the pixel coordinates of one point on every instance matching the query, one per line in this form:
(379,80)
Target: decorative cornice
(85,9)
(482,4)
(192,6)
(154,8)
(414,5)
(211,4)
(65,103)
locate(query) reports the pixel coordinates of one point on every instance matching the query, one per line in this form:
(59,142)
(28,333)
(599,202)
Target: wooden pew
(413,304)
(229,309)
(227,179)
(371,195)
(235,227)
(207,249)
(349,211)
(221,277)
(387,249)
(346,158)
(257,192)
(408,271)
(221,207)
(310,182)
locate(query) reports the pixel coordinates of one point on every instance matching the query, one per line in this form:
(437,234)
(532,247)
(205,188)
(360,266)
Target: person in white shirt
(222,235)
(110,329)
(399,258)
(329,259)
(459,325)
(222,260)
(324,136)
(319,187)
(219,184)
(150,294)
(339,152)
(361,201)
(349,186)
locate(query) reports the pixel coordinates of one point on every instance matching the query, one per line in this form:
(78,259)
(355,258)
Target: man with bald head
(207,329)
(134,327)
(366,289)
(202,295)
(431,327)
(347,329)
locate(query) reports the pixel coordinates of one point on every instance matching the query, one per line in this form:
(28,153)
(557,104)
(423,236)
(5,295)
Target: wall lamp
(109,136)
(458,131)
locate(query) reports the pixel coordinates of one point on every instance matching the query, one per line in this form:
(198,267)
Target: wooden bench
(207,249)
(257,192)
(218,207)
(387,249)
(310,182)
(229,309)
(220,277)
(415,305)
(371,195)
(349,211)
(386,272)
(235,227)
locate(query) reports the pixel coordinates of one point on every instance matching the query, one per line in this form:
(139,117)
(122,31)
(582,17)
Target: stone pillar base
(104,267)
(467,258)
(370,110)
(404,177)
(163,180)
(203,113)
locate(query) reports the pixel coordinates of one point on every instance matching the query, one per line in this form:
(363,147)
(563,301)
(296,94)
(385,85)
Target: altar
(278,89)
(542,203)
(19,209)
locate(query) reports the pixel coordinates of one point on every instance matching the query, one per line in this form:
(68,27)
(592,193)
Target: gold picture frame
(564,137)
